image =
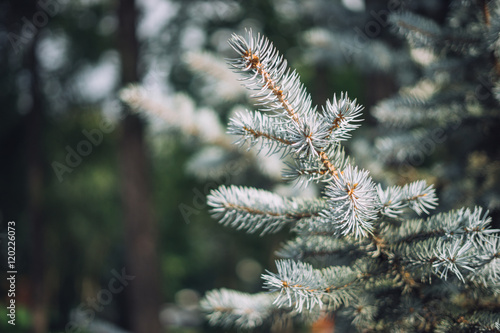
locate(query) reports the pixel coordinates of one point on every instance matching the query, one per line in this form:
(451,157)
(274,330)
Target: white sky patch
(52,51)
(193,38)
(154,15)
(354,5)
(96,82)
(155,78)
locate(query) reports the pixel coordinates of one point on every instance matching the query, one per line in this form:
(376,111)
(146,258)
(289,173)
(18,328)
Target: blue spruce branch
(389,256)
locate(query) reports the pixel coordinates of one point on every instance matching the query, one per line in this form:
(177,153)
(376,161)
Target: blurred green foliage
(83,229)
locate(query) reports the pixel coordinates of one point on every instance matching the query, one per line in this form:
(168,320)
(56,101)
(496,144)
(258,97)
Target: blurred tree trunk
(140,223)
(35,179)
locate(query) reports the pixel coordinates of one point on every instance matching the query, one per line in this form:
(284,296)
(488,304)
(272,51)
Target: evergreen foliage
(453,107)
(178,114)
(368,253)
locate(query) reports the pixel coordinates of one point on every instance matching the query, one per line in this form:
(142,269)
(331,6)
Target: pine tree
(447,122)
(370,254)
(179,114)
